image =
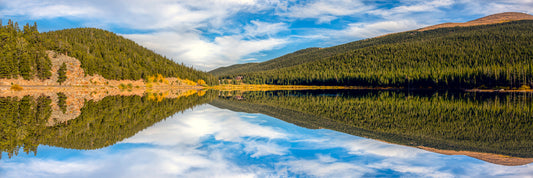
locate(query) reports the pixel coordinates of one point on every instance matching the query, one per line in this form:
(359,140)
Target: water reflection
(480,122)
(239,134)
(84,124)
(210,142)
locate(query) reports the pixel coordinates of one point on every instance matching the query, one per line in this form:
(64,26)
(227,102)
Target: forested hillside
(298,57)
(22,52)
(99,51)
(100,124)
(115,57)
(446,120)
(459,57)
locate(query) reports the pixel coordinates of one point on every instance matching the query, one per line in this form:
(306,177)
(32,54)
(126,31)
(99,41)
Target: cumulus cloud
(179,149)
(177,29)
(142,162)
(211,142)
(136,14)
(213,33)
(194,49)
(190,127)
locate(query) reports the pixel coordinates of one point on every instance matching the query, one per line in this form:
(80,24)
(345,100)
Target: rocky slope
(76,76)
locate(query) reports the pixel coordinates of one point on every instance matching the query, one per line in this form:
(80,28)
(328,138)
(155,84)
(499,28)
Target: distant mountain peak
(491,19)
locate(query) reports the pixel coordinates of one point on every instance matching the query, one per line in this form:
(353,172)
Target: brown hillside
(491,19)
(488,157)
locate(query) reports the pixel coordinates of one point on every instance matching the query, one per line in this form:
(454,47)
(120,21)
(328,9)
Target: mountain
(99,51)
(22,53)
(491,19)
(430,120)
(295,58)
(478,55)
(24,124)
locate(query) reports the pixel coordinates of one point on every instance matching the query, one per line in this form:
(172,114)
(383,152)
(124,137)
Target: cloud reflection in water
(211,142)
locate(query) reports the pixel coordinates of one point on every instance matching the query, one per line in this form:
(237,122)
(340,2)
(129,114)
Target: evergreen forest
(23,53)
(488,56)
(481,122)
(101,124)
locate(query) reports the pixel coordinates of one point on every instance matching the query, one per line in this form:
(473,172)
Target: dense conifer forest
(99,51)
(116,118)
(459,57)
(102,123)
(22,52)
(481,122)
(22,121)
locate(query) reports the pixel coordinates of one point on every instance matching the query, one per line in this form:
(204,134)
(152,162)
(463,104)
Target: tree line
(99,51)
(100,124)
(22,52)
(482,122)
(498,55)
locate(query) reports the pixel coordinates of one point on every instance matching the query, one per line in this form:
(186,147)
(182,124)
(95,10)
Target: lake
(308,133)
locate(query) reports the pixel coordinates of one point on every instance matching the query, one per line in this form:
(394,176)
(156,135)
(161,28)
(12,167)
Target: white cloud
(258,28)
(325,10)
(326,166)
(192,48)
(362,30)
(142,162)
(137,14)
(212,33)
(190,127)
(42,9)
(258,149)
(496,6)
(178,27)
(182,146)
(415,170)
(365,146)
(178,151)
(46,168)
(433,6)
(367,30)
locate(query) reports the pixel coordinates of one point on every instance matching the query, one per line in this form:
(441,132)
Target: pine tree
(62,74)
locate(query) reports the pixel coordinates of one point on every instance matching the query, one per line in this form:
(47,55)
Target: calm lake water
(335,133)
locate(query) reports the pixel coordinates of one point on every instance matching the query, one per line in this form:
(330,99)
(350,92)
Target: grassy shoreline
(263,87)
(251,87)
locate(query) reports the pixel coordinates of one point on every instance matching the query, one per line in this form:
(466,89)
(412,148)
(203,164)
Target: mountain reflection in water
(140,136)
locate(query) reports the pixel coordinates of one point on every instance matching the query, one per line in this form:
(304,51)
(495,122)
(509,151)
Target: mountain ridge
(490,19)
(23,55)
(460,57)
(232,70)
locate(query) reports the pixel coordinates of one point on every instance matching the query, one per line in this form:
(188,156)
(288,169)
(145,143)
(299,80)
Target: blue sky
(214,33)
(211,142)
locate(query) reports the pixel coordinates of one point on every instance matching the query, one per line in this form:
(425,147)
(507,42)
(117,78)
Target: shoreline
(246,87)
